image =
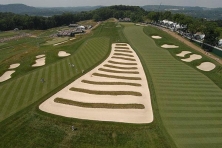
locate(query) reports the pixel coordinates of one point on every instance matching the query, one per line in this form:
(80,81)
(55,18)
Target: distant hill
(17,8)
(199,12)
(43,11)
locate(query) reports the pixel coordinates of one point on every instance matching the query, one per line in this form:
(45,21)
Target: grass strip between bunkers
(113,93)
(115,71)
(116,77)
(117,67)
(121,63)
(99,105)
(123,51)
(122,58)
(110,83)
(121,54)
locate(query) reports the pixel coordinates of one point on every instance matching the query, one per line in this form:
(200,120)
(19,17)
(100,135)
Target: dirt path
(185,41)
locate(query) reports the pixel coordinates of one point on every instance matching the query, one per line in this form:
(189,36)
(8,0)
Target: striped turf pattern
(23,91)
(190,104)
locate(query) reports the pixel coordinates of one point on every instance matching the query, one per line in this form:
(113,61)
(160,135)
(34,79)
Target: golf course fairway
(189,103)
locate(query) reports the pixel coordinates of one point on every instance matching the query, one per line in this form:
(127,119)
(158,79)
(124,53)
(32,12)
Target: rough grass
(115,71)
(124,51)
(116,77)
(113,93)
(121,54)
(110,83)
(121,63)
(99,105)
(118,67)
(188,102)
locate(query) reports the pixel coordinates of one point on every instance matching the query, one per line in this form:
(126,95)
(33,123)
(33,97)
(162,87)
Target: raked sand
(105,114)
(40,56)
(39,62)
(156,37)
(13,66)
(169,46)
(183,53)
(192,58)
(63,54)
(6,75)
(206,66)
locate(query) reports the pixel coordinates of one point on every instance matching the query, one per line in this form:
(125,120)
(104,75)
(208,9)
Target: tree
(211,33)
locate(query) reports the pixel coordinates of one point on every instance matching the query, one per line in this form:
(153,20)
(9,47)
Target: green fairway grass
(56,40)
(31,127)
(189,102)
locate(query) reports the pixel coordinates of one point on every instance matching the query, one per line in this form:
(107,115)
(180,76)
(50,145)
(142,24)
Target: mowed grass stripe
(115,71)
(56,74)
(165,69)
(122,47)
(122,58)
(110,83)
(116,77)
(113,93)
(120,67)
(121,44)
(121,63)
(122,54)
(99,105)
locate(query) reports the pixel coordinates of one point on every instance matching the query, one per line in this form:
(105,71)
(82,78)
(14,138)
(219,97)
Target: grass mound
(117,67)
(117,77)
(113,93)
(121,47)
(99,105)
(115,71)
(122,54)
(121,63)
(122,58)
(110,83)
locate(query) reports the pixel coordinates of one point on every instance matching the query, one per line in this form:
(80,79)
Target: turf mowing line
(113,93)
(124,51)
(121,63)
(16,89)
(22,91)
(122,58)
(116,77)
(30,89)
(38,84)
(56,71)
(110,83)
(99,105)
(122,54)
(115,71)
(117,67)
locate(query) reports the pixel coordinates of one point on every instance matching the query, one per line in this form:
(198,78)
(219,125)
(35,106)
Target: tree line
(194,25)
(9,21)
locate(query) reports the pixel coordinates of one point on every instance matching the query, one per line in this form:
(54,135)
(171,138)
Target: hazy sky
(72,3)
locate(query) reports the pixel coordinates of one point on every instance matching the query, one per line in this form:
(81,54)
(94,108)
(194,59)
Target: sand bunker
(183,53)
(63,54)
(6,75)
(169,46)
(206,66)
(39,62)
(13,66)
(192,58)
(72,39)
(60,43)
(40,56)
(121,92)
(156,37)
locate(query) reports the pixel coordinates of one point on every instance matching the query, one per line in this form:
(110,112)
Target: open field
(189,102)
